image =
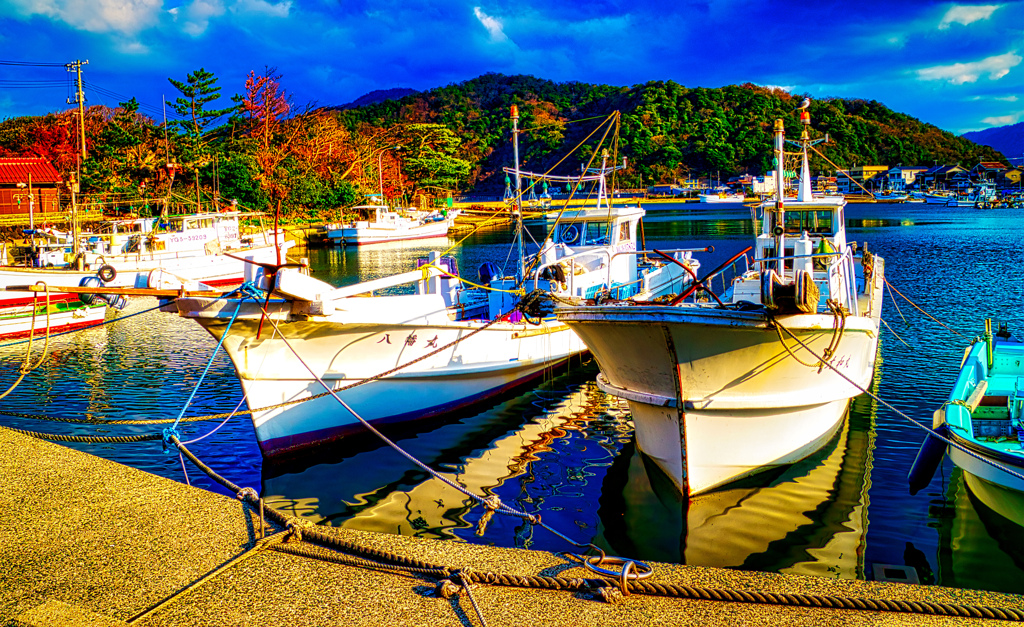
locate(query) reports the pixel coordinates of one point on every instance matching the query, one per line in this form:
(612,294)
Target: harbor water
(565,450)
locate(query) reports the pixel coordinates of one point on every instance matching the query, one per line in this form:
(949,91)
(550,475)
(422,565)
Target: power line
(30,64)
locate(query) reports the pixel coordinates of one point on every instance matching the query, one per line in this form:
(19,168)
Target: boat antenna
(518,204)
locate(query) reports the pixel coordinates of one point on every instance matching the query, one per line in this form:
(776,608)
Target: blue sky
(956,65)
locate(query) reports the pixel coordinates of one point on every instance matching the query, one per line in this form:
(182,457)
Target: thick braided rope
(323,537)
(95,439)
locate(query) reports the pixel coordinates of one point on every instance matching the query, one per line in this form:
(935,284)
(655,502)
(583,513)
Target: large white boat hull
(479,367)
(717,397)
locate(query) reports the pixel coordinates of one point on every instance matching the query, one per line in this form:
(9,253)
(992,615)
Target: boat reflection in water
(544,451)
(986,545)
(809,518)
(503,450)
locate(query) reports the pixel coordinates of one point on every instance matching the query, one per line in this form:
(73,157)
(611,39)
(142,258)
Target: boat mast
(778,229)
(519,195)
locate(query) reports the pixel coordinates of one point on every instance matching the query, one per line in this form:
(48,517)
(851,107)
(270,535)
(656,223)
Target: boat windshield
(812,221)
(583,234)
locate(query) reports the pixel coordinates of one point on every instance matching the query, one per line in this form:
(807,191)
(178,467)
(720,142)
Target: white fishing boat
(720,195)
(376,224)
(439,345)
(206,247)
(984,419)
(724,389)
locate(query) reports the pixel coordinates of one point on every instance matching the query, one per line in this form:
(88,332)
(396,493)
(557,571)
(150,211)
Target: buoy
(929,455)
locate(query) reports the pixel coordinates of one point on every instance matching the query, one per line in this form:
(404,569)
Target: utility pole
(79,99)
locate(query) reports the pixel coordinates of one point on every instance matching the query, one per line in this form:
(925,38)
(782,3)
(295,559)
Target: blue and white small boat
(984,420)
(891,195)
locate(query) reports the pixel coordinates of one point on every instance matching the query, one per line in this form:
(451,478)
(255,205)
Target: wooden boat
(59,316)
(724,389)
(984,420)
(376,224)
(439,345)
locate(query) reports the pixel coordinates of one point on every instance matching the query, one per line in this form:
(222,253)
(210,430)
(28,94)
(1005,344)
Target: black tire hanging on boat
(106,273)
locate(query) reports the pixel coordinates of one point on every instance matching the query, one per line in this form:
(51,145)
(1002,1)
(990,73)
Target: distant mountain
(668,132)
(377,96)
(1008,140)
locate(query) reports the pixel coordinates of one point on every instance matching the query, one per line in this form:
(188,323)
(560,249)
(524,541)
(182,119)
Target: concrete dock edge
(86,541)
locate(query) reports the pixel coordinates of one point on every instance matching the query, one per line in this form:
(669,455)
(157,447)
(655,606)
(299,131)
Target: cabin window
(596,233)
(624,231)
(810,221)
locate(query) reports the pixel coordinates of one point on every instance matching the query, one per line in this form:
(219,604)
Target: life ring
(106,273)
(570,234)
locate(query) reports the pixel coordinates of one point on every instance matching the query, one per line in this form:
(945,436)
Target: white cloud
(960,73)
(1006,98)
(263,7)
(1002,120)
(196,16)
(96,16)
(493,25)
(966,15)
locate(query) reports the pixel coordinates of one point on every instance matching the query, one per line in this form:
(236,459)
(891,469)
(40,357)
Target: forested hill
(668,131)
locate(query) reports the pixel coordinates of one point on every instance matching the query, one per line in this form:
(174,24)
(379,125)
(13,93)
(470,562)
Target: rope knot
(608,594)
(447,589)
(493,504)
(295,526)
(169,445)
(247,492)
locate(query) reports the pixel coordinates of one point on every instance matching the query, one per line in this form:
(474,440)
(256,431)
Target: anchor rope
(916,423)
(28,366)
(317,542)
(947,327)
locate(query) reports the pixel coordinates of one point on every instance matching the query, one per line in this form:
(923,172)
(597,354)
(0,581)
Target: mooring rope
(923,427)
(322,539)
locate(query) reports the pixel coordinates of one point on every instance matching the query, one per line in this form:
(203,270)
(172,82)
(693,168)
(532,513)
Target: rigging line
(551,169)
(925,312)
(208,364)
(896,334)
(923,427)
(489,502)
(893,301)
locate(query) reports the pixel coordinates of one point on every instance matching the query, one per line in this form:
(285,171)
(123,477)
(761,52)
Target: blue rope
(173,429)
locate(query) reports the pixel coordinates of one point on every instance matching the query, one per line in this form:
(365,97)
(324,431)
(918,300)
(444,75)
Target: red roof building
(28,184)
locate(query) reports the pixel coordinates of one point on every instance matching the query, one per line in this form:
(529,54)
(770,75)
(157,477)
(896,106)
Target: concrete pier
(86,541)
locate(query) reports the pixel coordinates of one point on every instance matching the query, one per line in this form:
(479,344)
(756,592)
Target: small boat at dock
(984,420)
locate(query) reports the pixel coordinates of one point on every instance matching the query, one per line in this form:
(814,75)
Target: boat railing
(608,278)
(368,287)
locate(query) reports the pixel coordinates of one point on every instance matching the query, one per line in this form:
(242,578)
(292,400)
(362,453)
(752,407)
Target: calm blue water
(565,449)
